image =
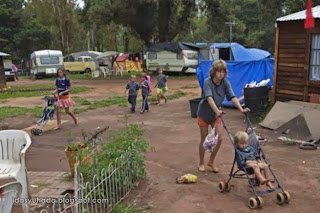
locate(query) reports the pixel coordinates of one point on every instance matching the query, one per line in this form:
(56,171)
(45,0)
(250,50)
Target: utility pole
(231,24)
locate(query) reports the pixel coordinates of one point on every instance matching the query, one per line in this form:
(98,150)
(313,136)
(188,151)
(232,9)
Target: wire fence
(102,193)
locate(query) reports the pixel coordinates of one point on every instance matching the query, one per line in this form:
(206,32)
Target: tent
(248,65)
(128,62)
(240,53)
(107,58)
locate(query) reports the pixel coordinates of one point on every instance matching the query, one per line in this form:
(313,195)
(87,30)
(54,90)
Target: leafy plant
(128,146)
(88,139)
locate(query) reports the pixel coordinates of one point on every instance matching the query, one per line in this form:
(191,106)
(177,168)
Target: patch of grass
(191,86)
(33,87)
(81,101)
(7,112)
(78,110)
(118,100)
(130,208)
(75,90)
(177,95)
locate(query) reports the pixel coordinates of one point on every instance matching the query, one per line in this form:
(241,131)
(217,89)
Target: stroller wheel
(228,187)
(222,186)
(40,132)
(286,196)
(253,204)
(280,198)
(260,202)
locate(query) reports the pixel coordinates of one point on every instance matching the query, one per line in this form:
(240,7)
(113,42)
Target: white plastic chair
(95,74)
(106,71)
(8,193)
(13,147)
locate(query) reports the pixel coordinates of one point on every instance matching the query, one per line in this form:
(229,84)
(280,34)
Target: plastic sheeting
(240,73)
(240,53)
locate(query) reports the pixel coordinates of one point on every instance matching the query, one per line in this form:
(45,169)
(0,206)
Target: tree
(10,24)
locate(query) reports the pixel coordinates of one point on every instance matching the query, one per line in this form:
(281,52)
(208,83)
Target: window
(79,59)
(315,58)
(179,56)
(49,60)
(224,54)
(152,56)
(192,56)
(87,59)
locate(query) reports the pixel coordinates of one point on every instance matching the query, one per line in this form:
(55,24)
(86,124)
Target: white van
(173,57)
(45,63)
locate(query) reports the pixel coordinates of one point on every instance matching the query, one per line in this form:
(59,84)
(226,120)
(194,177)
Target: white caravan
(173,57)
(45,63)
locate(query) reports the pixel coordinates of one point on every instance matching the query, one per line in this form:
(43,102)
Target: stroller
(47,114)
(247,172)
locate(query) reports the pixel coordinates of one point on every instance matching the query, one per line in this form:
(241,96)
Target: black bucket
(194,103)
(257,98)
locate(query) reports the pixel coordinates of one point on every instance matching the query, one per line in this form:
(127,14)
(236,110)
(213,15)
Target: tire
(286,196)
(253,204)
(260,202)
(222,186)
(87,70)
(228,187)
(280,198)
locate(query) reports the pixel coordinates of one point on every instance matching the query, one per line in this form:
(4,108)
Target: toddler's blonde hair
(241,136)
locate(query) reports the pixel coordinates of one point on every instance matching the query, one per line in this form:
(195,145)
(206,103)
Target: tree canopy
(131,25)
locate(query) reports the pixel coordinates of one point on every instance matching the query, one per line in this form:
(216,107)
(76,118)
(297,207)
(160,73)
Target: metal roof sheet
(300,15)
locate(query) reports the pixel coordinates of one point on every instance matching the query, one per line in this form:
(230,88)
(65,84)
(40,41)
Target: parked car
(9,73)
(82,64)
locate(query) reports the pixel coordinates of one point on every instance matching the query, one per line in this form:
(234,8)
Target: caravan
(173,57)
(45,63)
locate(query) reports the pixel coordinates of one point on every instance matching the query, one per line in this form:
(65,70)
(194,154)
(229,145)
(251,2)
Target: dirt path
(175,136)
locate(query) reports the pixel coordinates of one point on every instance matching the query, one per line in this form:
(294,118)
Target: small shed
(297,58)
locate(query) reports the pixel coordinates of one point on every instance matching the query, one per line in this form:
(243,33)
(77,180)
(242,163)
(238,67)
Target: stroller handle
(249,124)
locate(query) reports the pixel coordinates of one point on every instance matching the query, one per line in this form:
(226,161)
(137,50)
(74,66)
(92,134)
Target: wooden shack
(297,58)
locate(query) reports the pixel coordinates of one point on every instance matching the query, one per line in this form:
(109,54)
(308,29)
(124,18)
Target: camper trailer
(173,57)
(45,63)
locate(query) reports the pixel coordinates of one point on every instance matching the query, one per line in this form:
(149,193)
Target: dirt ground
(175,136)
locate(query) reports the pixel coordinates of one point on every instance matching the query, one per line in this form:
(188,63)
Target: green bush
(128,146)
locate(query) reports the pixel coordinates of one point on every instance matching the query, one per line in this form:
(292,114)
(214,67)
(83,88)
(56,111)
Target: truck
(45,63)
(82,64)
(177,57)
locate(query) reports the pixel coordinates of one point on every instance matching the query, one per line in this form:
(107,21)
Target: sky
(80,3)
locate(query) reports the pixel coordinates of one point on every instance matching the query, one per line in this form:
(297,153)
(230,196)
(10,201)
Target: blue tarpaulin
(240,73)
(240,53)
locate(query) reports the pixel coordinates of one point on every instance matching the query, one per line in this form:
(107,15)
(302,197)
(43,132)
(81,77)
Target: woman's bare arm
(214,106)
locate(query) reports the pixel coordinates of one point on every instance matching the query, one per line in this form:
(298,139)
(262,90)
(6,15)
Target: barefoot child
(250,158)
(145,89)
(162,86)
(133,88)
(64,100)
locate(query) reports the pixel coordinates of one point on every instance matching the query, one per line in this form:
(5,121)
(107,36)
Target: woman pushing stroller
(215,88)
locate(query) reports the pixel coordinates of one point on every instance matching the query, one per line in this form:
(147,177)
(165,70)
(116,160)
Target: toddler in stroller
(251,160)
(47,114)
